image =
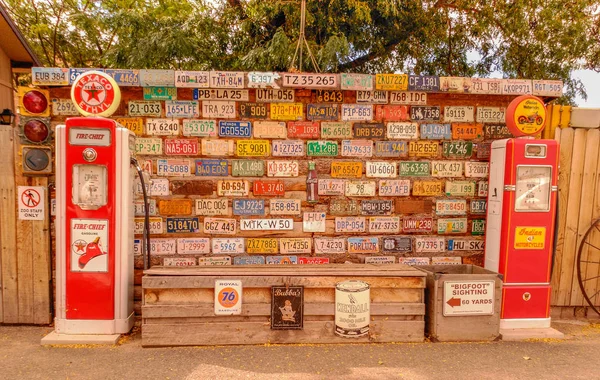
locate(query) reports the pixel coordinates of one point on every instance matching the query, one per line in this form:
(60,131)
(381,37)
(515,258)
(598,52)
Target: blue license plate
(125,78)
(176,225)
(322,112)
(391,148)
(282,260)
(248,207)
(436,131)
(235,129)
(74,73)
(423,83)
(248,260)
(212,167)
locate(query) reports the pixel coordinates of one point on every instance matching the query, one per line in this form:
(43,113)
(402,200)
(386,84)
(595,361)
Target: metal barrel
(352,308)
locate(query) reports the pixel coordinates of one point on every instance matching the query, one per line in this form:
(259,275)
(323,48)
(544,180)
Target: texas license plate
(331,186)
(287,111)
(227,246)
(162,127)
(148,146)
(357,148)
(446,168)
(253,148)
(173,168)
(384,224)
(329,245)
(321,148)
(340,169)
(218,226)
(464,114)
(253,110)
(360,188)
(181,147)
(284,207)
(322,112)
(226,79)
(357,112)
(289,246)
(200,128)
(193,246)
(452,226)
(282,168)
(262,245)
(218,109)
(248,207)
(182,108)
(288,148)
(181,225)
(380,169)
(350,224)
(247,168)
(363,245)
(451,207)
(212,207)
(211,167)
(394,188)
(233,188)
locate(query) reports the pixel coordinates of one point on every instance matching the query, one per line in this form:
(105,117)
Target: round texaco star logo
(95,93)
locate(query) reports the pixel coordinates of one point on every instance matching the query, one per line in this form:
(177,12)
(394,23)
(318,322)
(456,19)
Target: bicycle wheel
(588,266)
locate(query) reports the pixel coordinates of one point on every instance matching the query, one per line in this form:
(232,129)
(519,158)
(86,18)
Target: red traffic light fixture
(35,130)
(34,102)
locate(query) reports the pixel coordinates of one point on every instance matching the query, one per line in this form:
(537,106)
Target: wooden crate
(178,304)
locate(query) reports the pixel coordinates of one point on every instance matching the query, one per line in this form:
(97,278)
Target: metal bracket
(510,188)
(554,188)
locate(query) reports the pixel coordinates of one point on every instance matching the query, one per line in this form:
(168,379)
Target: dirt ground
(577,357)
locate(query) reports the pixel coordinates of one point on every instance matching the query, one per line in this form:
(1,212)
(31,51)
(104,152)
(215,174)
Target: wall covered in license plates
(400,163)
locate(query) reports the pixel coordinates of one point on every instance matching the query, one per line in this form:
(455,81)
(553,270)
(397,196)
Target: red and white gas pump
(521,214)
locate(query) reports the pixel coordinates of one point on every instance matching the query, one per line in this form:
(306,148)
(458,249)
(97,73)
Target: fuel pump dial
(533,188)
(89,191)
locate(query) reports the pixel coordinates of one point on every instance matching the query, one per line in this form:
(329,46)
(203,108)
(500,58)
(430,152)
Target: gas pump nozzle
(146,236)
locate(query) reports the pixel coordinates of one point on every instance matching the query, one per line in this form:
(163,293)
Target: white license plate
(360,188)
(451,225)
(144,108)
(292,246)
(199,127)
(330,186)
(162,127)
(49,76)
(357,112)
(466,245)
(218,109)
(384,224)
(491,114)
(148,146)
(313,222)
(363,245)
(516,87)
(288,148)
(173,168)
(477,169)
(191,246)
(226,79)
(139,207)
(460,188)
(547,87)
(217,147)
(284,207)
(227,246)
(213,261)
(272,95)
(182,108)
(233,188)
(350,224)
(266,224)
(408,97)
(451,207)
(394,188)
(486,86)
(380,169)
(212,207)
(356,82)
(270,129)
(163,246)
(64,107)
(357,148)
(310,80)
(282,168)
(155,187)
(218,226)
(380,260)
(329,245)
(463,114)
(179,261)
(261,79)
(430,244)
(402,131)
(446,168)
(482,189)
(156,225)
(212,94)
(156,78)
(192,79)
(372,97)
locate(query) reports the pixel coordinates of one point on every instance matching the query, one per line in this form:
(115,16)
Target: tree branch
(357,62)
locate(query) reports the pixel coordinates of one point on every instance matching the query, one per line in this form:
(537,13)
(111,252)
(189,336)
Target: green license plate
(247,168)
(160,93)
(414,168)
(457,149)
(322,148)
(478,227)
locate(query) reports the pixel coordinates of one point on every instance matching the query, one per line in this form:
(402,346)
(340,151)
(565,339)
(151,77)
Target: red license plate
(268,188)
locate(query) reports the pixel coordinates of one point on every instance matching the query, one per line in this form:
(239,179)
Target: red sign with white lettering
(181,147)
(303,129)
(268,188)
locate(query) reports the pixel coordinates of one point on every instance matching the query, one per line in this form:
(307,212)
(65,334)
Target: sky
(591,80)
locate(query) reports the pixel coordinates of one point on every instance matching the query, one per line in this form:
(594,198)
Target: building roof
(13,43)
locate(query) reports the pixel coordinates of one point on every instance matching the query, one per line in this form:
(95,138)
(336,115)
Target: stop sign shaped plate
(228,297)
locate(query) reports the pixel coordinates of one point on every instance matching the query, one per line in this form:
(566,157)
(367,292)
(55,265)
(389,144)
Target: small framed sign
(287,307)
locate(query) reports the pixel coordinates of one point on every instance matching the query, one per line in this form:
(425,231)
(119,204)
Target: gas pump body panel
(521,301)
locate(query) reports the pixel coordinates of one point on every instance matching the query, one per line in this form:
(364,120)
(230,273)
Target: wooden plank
(41,263)
(265,319)
(259,333)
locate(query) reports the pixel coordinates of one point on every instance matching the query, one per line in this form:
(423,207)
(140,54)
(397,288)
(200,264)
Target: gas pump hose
(146,235)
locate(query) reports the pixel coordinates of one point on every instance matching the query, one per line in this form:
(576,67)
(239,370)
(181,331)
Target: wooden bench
(178,304)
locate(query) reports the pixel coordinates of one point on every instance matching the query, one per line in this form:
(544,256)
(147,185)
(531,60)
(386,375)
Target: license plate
(282,260)
(462,131)
(329,245)
(465,245)
(311,80)
(275,95)
(139,208)
(163,246)
(253,148)
(417,224)
(162,127)
(284,207)
(218,226)
(249,260)
(288,148)
(235,129)
(484,150)
(384,224)
(233,188)
(259,79)
(212,167)
(396,244)
(346,169)
(356,82)
(159,93)
(496,131)
(329,96)
(135,125)
(486,86)
(391,113)
(249,207)
(261,187)
(182,108)
(175,207)
(478,227)
(398,82)
(181,147)
(369,131)
(372,97)
(247,168)
(143,108)
(376,207)
(460,188)
(295,245)
(270,130)
(217,147)
(217,94)
(548,87)
(446,168)
(212,207)
(394,188)
(436,131)
(380,169)
(400,131)
(49,76)
(408,97)
(491,114)
(423,83)
(482,189)
(414,260)
(200,128)
(380,260)
(320,148)
(322,112)
(357,148)
(73,73)
(149,78)
(213,261)
(430,244)
(427,188)
(463,114)
(156,187)
(457,149)
(516,87)
(287,111)
(181,225)
(227,246)
(423,149)
(193,246)
(350,224)
(418,113)
(218,109)
(343,207)
(363,245)
(156,225)
(282,168)
(455,84)
(313,222)
(64,107)
(331,186)
(451,207)
(253,110)
(360,188)
(226,79)
(192,79)
(125,78)
(357,112)
(477,169)
(414,168)
(303,130)
(478,206)
(451,226)
(262,245)
(173,168)
(266,224)
(336,130)
(446,260)
(179,261)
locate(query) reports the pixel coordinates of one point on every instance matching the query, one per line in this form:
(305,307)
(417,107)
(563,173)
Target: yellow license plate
(249,148)
(134,124)
(396,82)
(423,149)
(427,188)
(286,111)
(175,207)
(261,245)
(346,169)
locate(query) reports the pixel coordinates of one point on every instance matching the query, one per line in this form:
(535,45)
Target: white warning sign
(468,298)
(89,245)
(31,200)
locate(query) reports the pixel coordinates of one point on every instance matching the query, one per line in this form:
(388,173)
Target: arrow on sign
(453,302)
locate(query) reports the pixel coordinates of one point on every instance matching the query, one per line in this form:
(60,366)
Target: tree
(537,39)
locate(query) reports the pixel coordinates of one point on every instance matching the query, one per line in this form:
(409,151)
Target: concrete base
(55,338)
(524,334)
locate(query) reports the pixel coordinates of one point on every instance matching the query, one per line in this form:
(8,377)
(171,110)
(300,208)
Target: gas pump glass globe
(35,102)
(36,131)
